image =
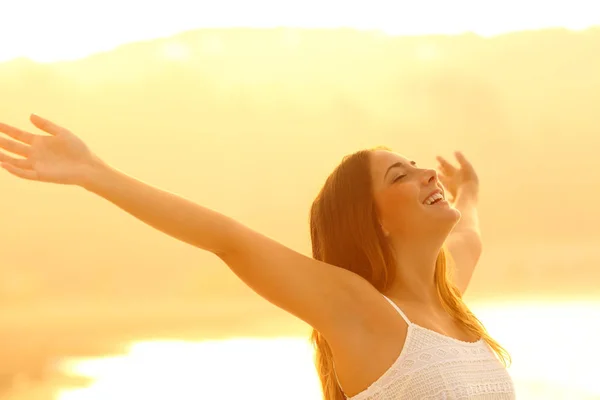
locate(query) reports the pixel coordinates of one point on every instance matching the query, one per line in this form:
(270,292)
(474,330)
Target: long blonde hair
(345,233)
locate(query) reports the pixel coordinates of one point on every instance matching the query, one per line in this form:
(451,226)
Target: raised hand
(458,179)
(60,157)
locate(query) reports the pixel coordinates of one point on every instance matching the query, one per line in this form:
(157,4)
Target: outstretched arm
(324,296)
(464,242)
(167,212)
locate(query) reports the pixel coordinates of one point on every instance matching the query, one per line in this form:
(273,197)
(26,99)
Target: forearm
(466,202)
(464,242)
(167,212)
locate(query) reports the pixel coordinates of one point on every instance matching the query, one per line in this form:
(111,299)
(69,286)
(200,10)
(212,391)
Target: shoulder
(366,348)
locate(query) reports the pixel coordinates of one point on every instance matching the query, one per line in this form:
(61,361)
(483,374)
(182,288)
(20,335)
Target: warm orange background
(250,122)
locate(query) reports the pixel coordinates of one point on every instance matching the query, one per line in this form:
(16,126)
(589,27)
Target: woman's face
(410,200)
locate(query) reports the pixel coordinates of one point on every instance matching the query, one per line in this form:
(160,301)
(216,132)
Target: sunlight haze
(70,29)
(245,107)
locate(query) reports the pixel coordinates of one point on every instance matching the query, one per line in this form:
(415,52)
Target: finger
(445,166)
(16,133)
(45,125)
(445,181)
(17,162)
(462,160)
(441,172)
(14,146)
(20,172)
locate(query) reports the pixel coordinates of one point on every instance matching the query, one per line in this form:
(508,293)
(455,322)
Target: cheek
(400,205)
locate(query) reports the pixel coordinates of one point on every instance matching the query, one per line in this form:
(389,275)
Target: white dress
(434,366)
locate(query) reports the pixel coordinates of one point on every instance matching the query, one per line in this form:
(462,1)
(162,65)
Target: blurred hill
(250,122)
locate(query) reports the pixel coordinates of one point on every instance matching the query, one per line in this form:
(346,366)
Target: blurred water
(555,350)
(555,346)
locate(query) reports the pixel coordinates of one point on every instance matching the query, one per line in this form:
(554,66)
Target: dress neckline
(416,326)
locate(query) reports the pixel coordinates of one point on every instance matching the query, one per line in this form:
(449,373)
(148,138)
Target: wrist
(93,175)
(467,193)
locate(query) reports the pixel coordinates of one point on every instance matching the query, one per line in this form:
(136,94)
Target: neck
(415,272)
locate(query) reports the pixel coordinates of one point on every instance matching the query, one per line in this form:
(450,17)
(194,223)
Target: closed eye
(398,178)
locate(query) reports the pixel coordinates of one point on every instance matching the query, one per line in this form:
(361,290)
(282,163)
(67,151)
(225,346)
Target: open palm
(60,157)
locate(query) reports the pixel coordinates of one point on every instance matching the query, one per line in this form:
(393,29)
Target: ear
(385,231)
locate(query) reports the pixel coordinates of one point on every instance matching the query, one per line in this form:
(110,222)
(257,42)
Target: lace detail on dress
(434,366)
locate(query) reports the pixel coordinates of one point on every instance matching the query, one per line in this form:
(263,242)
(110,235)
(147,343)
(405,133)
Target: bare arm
(313,291)
(167,212)
(323,295)
(464,242)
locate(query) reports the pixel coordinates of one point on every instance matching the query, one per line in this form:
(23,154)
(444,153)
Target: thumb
(462,160)
(46,125)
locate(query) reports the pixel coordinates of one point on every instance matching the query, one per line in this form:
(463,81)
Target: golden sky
(70,29)
(84,273)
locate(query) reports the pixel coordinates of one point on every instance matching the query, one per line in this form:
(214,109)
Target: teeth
(432,198)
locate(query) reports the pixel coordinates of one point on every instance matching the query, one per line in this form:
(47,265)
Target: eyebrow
(396,165)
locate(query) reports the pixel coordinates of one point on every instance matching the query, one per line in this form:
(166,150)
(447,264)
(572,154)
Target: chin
(444,217)
(443,210)
(454,211)
(451,217)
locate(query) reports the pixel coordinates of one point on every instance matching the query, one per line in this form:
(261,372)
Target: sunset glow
(245,108)
(229,369)
(69,29)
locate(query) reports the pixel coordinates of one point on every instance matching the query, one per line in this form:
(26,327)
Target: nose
(429,176)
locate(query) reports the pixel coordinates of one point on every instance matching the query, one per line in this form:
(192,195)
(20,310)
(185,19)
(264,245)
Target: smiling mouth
(433,199)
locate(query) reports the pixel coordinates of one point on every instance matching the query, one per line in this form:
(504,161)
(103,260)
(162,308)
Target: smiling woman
(378,275)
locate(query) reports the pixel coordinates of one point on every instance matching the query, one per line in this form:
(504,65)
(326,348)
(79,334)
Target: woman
(388,318)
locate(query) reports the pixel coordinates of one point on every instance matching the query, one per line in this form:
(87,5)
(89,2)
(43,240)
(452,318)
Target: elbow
(230,239)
